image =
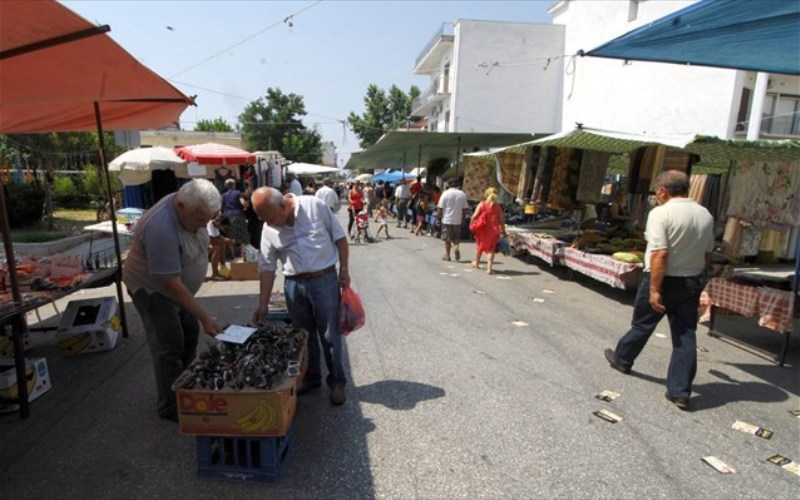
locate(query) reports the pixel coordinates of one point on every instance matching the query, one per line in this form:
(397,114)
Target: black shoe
(338,396)
(611,361)
(681,403)
(307,385)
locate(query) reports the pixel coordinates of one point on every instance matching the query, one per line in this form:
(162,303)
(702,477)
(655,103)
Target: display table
(773,308)
(548,249)
(604,268)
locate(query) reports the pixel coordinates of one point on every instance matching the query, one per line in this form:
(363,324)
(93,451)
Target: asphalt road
(462,385)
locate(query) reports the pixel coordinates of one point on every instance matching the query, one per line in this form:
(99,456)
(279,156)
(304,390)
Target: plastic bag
(503,246)
(351,312)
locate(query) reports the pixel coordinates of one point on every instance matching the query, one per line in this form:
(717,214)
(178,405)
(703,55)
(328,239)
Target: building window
(781,115)
(633,10)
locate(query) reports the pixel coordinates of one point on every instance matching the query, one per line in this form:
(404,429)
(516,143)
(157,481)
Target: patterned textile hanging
(565,179)
(477,176)
(766,194)
(509,170)
(592,174)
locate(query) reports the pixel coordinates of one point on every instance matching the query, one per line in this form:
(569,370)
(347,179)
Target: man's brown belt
(315,274)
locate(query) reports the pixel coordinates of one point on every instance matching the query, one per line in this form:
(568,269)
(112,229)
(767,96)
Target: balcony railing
(447,29)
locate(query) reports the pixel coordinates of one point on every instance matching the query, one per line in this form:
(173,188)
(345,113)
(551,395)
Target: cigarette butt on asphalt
(547,291)
(702,349)
(607,396)
(751,429)
(718,464)
(607,416)
(796,413)
(785,463)
(519,323)
(479,292)
(538,300)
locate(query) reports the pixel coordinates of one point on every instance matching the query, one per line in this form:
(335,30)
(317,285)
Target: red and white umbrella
(215,154)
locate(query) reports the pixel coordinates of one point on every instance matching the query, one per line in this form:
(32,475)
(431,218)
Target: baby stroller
(362,228)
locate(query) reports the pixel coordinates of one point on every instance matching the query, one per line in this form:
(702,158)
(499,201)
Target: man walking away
(401,196)
(680,238)
(327,194)
(450,211)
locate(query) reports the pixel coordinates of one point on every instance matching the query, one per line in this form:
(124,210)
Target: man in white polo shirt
(680,238)
(450,210)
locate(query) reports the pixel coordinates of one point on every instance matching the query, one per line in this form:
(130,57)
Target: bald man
(680,238)
(302,233)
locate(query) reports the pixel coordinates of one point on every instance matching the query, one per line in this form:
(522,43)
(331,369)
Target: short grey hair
(200,194)
(675,182)
(229,183)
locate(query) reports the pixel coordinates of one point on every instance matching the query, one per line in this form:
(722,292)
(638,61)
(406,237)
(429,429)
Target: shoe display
(681,403)
(307,386)
(338,396)
(611,361)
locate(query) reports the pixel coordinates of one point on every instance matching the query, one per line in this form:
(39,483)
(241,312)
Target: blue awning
(761,35)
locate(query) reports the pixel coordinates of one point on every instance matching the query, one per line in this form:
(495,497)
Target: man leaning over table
(165,267)
(302,233)
(680,238)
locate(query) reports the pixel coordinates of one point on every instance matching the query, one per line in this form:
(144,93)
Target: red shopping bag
(351,312)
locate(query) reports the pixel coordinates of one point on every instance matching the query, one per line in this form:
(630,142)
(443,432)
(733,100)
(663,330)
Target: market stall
(99,86)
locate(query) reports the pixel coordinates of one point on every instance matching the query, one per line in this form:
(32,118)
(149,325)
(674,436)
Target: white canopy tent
(310,169)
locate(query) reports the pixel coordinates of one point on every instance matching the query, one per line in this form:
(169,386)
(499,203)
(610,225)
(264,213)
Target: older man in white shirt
(302,234)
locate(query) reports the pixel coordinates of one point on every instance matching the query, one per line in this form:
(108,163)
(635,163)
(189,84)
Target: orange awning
(54,65)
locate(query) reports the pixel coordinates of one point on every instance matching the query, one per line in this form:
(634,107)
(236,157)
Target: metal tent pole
(113,215)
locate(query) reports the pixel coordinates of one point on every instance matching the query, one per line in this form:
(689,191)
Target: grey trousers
(172,335)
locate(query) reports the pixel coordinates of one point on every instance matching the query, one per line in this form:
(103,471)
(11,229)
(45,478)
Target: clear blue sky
(229,52)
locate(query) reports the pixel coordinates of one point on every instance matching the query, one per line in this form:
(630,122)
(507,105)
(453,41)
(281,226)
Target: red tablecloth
(772,307)
(549,250)
(604,268)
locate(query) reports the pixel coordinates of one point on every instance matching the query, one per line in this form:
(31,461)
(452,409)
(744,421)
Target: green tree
(382,113)
(273,122)
(215,125)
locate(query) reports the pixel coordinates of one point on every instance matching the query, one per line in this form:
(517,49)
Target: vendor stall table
(604,268)
(774,308)
(549,249)
(14,314)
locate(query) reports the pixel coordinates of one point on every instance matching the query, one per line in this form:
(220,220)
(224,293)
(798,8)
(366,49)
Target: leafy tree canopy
(382,113)
(273,123)
(57,150)
(215,125)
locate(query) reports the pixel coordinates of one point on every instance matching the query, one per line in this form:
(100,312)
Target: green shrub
(25,204)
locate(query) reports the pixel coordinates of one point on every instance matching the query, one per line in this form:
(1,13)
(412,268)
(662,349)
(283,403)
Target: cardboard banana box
(37,378)
(246,412)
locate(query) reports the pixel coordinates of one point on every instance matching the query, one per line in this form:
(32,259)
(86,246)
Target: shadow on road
(717,394)
(398,394)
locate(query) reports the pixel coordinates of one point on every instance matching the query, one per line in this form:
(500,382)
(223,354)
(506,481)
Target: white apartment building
(489,76)
(651,97)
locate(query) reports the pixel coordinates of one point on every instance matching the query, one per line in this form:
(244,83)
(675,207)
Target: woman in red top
(355,204)
(486,238)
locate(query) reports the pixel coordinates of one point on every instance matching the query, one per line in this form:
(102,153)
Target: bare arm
(658,269)
(266,281)
(178,291)
(344,258)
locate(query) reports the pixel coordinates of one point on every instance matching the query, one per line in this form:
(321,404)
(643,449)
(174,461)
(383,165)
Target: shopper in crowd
(421,209)
(355,202)
(219,247)
(382,218)
(450,210)
(294,185)
(370,199)
(165,267)
(311,188)
(416,191)
(292,235)
(486,238)
(233,208)
(402,195)
(327,194)
(680,238)
(253,224)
